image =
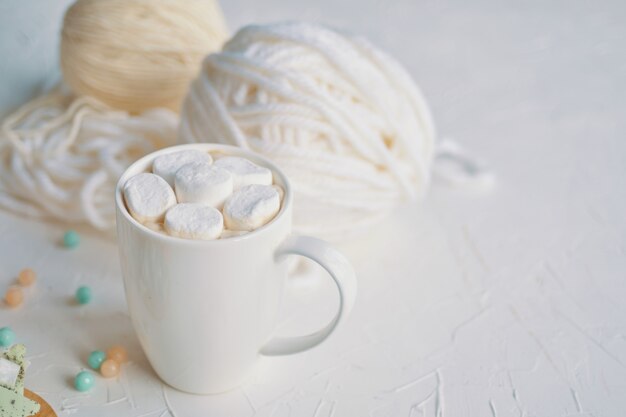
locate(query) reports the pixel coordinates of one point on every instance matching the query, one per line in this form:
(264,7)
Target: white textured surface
(28,44)
(509,304)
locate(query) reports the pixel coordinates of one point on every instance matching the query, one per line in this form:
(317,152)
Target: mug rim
(133,169)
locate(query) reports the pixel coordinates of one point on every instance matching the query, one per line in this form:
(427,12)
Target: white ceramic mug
(204,310)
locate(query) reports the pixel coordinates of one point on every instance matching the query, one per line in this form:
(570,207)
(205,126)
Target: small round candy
(96,358)
(110,368)
(26,277)
(84,381)
(117,353)
(7,337)
(83,295)
(14,296)
(71,239)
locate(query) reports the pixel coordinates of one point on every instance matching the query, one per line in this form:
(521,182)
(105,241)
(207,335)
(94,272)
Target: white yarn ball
(343,119)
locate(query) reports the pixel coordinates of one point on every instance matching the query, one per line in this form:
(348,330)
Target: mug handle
(339,270)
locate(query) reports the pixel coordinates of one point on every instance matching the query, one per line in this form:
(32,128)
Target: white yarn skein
(61,156)
(344,120)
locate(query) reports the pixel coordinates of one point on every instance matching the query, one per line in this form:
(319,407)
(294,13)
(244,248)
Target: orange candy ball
(14,296)
(110,368)
(117,353)
(26,277)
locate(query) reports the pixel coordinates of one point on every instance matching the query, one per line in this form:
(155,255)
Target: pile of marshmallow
(194,195)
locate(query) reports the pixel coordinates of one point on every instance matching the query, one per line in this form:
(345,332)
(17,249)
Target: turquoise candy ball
(71,239)
(95,359)
(84,381)
(83,295)
(7,337)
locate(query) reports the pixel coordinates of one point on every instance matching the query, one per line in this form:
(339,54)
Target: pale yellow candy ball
(110,368)
(26,277)
(14,296)
(117,353)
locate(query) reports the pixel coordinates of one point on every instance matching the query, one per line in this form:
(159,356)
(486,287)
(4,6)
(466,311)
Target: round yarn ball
(343,119)
(138,54)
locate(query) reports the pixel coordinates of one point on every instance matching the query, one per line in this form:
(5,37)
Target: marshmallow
(194,221)
(199,182)
(251,207)
(165,166)
(148,197)
(245,172)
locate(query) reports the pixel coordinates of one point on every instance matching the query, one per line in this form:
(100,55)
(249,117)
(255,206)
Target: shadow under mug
(204,310)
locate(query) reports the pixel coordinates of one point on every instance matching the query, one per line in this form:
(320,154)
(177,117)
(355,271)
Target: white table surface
(502,304)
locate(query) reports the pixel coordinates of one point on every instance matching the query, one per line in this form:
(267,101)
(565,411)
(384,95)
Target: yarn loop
(60,156)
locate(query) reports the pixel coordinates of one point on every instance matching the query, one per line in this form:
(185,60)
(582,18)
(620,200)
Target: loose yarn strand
(56,167)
